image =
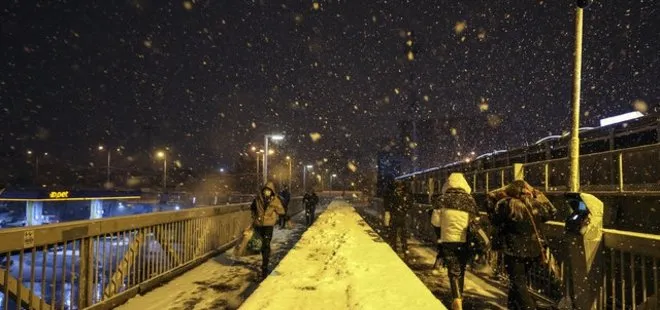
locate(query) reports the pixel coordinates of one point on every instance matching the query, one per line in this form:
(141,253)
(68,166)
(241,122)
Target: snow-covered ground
(481,290)
(341,263)
(223,282)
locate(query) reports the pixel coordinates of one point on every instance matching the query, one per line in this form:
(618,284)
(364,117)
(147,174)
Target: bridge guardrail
(627,263)
(625,170)
(99,264)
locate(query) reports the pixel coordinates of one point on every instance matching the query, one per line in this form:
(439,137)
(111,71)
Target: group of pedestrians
(514,213)
(269,208)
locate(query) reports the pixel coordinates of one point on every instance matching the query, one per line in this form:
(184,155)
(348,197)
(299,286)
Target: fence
(626,266)
(626,170)
(99,264)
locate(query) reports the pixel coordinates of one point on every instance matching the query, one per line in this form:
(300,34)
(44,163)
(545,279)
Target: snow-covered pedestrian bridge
(341,263)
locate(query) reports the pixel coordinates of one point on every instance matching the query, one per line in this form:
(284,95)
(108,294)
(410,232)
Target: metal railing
(626,263)
(99,264)
(625,170)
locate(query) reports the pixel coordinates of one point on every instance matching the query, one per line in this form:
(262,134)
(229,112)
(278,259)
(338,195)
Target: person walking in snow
(398,202)
(266,208)
(285,197)
(517,217)
(310,200)
(456,209)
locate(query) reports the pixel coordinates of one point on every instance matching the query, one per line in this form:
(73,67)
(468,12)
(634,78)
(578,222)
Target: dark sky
(207,77)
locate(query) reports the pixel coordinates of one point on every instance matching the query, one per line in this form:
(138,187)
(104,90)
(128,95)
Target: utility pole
(574,149)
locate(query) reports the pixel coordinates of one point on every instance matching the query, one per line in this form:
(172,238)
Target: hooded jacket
(398,201)
(265,210)
(456,208)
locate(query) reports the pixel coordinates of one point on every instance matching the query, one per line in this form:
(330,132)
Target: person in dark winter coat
(285,196)
(398,202)
(310,200)
(266,208)
(513,216)
(457,208)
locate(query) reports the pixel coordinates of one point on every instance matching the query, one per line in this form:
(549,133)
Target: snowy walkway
(481,291)
(341,263)
(223,282)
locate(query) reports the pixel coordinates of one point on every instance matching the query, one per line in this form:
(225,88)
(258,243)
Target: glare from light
(288,158)
(310,166)
(160,154)
(334,175)
(29,152)
(46,154)
(222,169)
(254,149)
(177,207)
(271,152)
(101,147)
(277,137)
(620,118)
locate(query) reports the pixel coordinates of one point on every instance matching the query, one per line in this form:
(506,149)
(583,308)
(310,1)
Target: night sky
(206,78)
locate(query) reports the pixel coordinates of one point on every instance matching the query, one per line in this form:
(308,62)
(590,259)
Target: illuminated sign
(58,195)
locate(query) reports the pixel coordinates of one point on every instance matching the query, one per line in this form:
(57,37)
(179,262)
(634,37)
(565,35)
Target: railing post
(518,172)
(487,182)
(620,160)
(86,280)
(546,168)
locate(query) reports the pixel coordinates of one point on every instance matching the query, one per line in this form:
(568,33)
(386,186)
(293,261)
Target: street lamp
(36,162)
(101,148)
(288,158)
(334,175)
(305,167)
(254,149)
(574,147)
(266,138)
(163,156)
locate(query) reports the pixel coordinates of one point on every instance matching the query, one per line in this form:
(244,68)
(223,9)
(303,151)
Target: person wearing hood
(397,202)
(456,207)
(266,208)
(517,217)
(285,197)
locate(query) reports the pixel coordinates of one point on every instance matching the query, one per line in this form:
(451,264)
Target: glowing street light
(163,156)
(288,158)
(101,148)
(305,167)
(275,137)
(36,161)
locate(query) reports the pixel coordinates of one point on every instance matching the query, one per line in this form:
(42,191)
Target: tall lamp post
(101,148)
(305,167)
(163,156)
(288,158)
(266,138)
(36,163)
(574,150)
(334,175)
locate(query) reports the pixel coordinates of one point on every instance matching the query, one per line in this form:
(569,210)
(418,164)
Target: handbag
(477,237)
(242,244)
(546,256)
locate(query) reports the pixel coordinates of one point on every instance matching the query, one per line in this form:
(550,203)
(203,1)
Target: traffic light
(410,46)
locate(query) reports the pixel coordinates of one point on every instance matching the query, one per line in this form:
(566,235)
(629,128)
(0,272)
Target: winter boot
(457,304)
